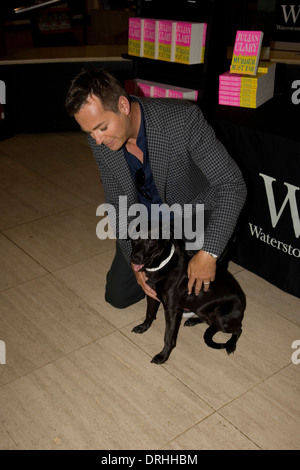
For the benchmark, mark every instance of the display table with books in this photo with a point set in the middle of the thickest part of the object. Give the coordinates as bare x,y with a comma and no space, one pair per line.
265,142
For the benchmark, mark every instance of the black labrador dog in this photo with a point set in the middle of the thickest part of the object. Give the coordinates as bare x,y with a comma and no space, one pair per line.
221,307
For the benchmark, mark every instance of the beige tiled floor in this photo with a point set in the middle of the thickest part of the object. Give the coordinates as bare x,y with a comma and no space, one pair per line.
76,377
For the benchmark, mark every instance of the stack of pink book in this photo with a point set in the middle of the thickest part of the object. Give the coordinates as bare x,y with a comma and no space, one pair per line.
141,87
247,91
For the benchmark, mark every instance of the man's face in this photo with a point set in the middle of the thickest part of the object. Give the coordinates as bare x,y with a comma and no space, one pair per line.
105,127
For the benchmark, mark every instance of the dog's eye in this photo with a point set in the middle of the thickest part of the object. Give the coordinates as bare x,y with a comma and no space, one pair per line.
151,242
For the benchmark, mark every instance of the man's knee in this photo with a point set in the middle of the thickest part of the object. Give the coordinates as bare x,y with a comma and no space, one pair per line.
114,301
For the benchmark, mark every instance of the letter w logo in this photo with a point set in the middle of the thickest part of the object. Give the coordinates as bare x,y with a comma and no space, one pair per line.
291,12
290,197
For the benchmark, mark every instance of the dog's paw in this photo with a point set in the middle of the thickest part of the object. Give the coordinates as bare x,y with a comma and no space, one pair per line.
140,328
159,359
230,348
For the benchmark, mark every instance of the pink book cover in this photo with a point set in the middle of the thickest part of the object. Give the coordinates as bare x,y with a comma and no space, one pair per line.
149,38
190,42
175,94
236,88
134,36
227,76
185,93
144,89
246,52
159,92
228,102
165,28
239,101
238,77
238,91
229,93
235,99
183,42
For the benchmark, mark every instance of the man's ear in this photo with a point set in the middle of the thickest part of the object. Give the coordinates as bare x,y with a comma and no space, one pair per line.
124,105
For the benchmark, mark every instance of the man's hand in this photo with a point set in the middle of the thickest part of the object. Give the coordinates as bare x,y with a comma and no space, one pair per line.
201,271
141,279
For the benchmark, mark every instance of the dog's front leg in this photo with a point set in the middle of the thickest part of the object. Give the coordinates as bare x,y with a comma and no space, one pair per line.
173,319
152,307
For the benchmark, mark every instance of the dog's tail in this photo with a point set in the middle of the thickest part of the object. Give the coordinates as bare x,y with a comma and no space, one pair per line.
230,345
208,338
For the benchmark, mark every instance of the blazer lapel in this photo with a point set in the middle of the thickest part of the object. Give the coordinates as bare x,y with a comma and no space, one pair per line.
118,165
159,149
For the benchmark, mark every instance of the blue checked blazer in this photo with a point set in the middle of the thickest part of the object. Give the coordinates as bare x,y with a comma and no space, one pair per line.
189,166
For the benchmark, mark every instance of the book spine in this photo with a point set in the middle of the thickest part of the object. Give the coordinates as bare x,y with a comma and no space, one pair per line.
243,82
135,36
239,98
241,93
164,40
182,93
266,67
228,76
159,92
245,86
149,38
144,89
175,94
240,104
203,43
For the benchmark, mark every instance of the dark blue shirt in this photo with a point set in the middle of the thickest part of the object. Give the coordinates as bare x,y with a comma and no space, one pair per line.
135,164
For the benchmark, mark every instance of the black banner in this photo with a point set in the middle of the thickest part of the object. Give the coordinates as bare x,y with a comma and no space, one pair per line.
269,229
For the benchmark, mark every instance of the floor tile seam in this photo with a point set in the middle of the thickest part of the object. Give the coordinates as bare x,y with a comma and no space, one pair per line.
17,447
84,259
241,395
20,284
25,252
219,409
71,193
268,308
240,431
189,428
21,247
165,366
48,272
15,156
37,219
74,293
63,356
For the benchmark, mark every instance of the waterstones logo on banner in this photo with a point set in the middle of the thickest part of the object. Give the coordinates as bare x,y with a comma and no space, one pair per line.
287,22
276,214
290,13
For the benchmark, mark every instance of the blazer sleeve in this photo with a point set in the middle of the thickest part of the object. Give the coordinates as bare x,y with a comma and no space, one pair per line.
227,187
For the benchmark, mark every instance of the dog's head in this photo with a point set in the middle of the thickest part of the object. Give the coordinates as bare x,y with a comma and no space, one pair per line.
150,248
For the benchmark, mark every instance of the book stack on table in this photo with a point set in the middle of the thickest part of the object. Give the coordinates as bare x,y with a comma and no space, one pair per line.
247,91
250,82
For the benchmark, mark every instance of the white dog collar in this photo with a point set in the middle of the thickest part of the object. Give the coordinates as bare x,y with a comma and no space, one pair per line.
164,262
